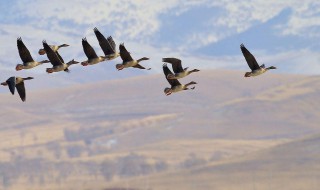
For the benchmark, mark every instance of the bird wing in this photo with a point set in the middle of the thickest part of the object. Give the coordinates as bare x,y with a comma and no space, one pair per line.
166,71
11,84
104,43
124,54
24,52
88,50
112,43
52,56
21,91
59,56
252,63
176,64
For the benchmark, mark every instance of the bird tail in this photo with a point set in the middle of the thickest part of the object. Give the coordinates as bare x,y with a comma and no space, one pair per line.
272,67
194,70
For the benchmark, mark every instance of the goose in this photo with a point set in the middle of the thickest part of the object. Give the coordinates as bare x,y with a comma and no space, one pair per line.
91,54
108,45
179,72
127,60
53,47
176,86
253,64
26,57
56,60
17,82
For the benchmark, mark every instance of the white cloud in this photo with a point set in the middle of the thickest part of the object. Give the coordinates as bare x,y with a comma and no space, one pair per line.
241,15
131,19
136,22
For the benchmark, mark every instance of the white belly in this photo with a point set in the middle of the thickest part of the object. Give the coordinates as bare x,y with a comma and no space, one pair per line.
181,75
177,88
30,65
54,48
130,64
112,56
258,72
60,68
95,61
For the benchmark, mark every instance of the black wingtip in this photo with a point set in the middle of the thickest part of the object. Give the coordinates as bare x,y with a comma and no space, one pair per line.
241,45
19,39
95,29
84,39
44,41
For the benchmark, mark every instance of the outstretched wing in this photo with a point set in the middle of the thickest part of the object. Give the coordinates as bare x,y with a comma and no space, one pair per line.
166,71
124,54
88,50
21,91
176,64
24,52
52,56
11,84
112,43
104,43
252,63
59,56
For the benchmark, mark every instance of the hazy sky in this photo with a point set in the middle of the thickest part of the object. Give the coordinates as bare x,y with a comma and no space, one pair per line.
204,33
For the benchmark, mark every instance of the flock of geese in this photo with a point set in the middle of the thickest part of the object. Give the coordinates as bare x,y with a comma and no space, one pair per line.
108,46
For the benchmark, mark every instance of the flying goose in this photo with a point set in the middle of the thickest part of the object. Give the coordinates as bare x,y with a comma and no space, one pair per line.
108,45
127,60
26,57
53,47
253,64
179,72
176,86
56,60
17,82
91,54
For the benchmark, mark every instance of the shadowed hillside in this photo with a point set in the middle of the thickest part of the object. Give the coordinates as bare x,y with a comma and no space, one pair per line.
294,165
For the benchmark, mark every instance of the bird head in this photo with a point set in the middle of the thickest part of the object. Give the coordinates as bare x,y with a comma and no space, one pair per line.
85,63
248,74
49,70
19,67
168,91
42,52
120,67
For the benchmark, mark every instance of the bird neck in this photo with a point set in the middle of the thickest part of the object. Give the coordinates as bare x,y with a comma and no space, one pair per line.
28,78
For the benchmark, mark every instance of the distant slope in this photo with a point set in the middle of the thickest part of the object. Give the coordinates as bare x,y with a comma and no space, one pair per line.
223,105
77,132
294,165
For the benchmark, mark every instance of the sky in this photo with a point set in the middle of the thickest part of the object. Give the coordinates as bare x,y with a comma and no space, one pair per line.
204,34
